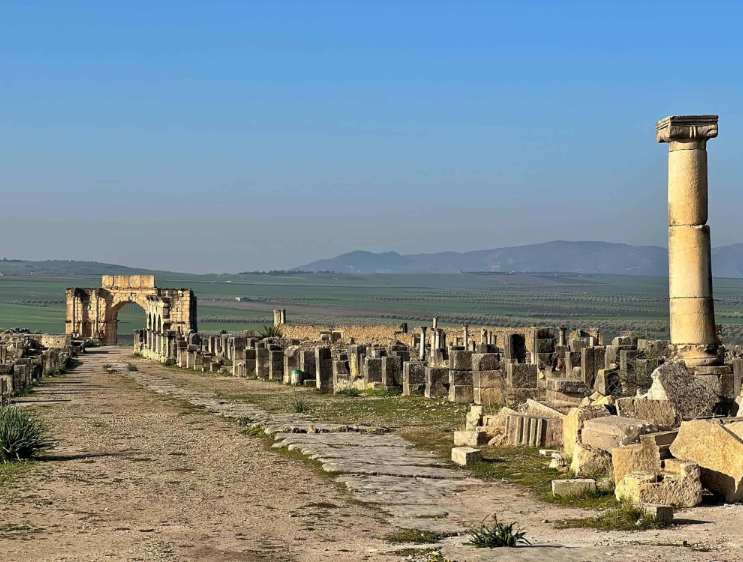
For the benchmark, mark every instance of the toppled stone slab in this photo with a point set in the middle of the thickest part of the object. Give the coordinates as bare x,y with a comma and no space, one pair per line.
691,398
613,431
718,450
573,487
465,456
537,409
532,431
470,438
572,425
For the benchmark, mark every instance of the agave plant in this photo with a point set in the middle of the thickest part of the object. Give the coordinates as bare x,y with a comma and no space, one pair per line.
497,535
22,435
270,332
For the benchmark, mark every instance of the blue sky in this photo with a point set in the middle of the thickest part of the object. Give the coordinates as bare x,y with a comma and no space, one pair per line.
227,136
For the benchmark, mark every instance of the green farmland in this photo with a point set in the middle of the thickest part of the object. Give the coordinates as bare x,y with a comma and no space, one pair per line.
611,302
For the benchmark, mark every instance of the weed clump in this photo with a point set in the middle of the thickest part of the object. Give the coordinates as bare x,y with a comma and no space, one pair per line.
352,392
22,435
412,535
131,367
270,332
625,517
496,536
300,405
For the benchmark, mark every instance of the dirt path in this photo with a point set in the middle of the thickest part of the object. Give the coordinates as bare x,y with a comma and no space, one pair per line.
139,477
145,470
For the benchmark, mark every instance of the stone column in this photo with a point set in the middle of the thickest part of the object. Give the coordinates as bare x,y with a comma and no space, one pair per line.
562,339
435,322
283,316
422,350
692,314
466,330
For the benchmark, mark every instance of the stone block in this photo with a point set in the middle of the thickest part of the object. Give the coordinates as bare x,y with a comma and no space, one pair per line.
521,375
276,365
488,379
718,450
573,487
588,461
658,412
461,377
466,456
679,487
607,382
721,384
324,370
470,438
568,386
646,456
690,397
737,376
392,371
659,513
437,382
545,346
413,378
489,396
485,362
460,360
627,361
531,431
372,370
546,360
461,393
563,398
473,419
539,410
613,431
572,426
544,333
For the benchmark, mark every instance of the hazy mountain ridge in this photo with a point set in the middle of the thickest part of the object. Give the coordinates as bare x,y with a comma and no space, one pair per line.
558,256
67,267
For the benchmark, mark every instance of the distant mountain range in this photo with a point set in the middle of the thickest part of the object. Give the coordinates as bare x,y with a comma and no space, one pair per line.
558,256
66,267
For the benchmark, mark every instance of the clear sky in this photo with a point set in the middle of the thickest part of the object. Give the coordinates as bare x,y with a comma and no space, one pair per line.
230,136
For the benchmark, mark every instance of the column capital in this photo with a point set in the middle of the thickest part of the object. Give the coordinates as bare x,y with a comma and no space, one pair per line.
692,129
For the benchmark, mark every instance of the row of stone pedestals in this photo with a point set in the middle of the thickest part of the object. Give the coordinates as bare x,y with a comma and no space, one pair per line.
29,365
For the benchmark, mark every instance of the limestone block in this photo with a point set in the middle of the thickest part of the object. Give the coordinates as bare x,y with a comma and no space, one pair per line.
607,382
461,393
563,398
489,396
485,362
533,431
572,425
546,360
461,377
392,371
646,456
681,488
437,382
276,365
659,513
460,360
568,386
721,384
465,456
470,438
473,419
546,345
488,379
613,431
537,409
324,370
521,375
718,450
573,487
588,461
658,412
372,370
413,378
690,397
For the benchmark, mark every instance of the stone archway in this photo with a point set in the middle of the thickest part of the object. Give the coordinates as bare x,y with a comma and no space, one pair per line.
93,312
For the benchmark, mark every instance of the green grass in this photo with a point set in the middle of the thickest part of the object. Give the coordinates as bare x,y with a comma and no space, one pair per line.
415,536
624,517
130,367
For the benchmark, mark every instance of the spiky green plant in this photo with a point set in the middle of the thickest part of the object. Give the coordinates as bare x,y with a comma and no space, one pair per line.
270,332
22,435
299,405
496,536
131,367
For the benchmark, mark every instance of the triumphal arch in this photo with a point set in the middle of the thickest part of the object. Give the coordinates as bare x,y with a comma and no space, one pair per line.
92,313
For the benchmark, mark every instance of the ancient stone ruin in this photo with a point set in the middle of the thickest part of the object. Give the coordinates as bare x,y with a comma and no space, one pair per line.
92,313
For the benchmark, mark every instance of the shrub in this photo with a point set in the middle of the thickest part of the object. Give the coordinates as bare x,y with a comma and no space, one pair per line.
499,535
22,435
349,392
299,405
107,366
131,367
